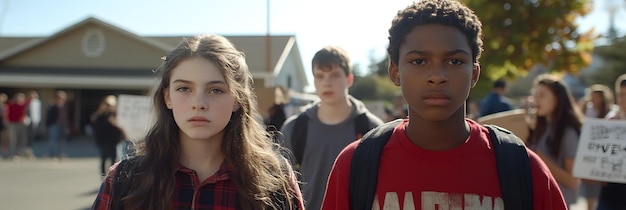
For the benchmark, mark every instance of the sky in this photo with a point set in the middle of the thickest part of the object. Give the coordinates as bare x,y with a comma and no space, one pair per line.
360,27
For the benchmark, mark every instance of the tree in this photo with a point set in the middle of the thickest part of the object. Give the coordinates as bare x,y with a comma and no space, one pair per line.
521,34
613,61
374,87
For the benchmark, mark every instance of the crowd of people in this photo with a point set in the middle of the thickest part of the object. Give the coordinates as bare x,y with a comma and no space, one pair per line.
21,125
433,155
209,147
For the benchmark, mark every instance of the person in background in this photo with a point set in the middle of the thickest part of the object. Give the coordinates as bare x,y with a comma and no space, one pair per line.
612,194
598,103
17,125
57,124
208,148
496,101
555,132
330,123
4,141
34,114
277,112
106,132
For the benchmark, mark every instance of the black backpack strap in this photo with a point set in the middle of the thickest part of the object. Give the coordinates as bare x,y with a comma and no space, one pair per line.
364,165
121,182
513,169
361,125
298,137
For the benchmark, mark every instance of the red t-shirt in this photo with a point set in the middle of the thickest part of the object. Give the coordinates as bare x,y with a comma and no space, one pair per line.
16,112
464,177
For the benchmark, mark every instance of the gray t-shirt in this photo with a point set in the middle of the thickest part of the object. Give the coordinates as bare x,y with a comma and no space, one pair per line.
323,143
569,144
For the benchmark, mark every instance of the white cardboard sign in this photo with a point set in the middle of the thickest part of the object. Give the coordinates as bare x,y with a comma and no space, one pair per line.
601,153
134,115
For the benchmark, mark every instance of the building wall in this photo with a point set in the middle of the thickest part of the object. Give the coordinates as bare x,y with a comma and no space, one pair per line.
66,51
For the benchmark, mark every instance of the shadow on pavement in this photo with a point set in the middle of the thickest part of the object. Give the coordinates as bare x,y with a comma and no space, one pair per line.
77,147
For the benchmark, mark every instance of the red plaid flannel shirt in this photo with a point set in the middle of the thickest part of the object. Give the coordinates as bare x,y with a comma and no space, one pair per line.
216,192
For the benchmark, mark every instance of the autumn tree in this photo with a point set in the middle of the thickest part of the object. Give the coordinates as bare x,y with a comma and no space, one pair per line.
520,34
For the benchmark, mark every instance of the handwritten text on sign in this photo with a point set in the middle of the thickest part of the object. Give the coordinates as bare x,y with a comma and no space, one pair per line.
601,153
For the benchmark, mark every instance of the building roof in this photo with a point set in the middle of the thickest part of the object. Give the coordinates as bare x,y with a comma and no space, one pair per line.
254,47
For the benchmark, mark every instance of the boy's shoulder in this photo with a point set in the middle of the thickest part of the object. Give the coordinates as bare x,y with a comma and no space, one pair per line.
373,119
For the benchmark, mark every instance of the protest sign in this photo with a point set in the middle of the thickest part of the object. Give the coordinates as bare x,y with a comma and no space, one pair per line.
134,115
512,120
601,153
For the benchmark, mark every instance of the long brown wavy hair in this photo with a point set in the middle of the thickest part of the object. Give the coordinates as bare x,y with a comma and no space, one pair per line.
261,172
566,114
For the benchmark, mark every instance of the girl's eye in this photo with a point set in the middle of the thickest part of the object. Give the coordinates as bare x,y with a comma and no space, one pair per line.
216,91
182,89
418,62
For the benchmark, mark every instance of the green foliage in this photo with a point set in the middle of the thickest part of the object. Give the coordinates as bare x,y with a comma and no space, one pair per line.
381,67
521,34
613,63
374,87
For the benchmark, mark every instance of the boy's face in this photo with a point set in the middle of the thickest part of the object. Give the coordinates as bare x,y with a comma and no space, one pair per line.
331,84
435,71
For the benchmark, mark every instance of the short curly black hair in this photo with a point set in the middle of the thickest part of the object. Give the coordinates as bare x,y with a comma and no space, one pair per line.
444,12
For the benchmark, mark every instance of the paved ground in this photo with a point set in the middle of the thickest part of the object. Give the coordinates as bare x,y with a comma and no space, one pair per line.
68,184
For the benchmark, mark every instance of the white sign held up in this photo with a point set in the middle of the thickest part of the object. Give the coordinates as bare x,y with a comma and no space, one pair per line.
601,153
134,115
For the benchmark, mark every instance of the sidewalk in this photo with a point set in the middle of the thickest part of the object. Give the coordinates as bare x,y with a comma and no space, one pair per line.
69,183
77,147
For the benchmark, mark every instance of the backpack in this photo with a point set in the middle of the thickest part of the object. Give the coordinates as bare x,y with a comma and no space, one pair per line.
301,126
512,162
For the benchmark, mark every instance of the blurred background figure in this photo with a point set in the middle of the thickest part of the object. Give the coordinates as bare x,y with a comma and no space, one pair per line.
472,109
106,132
495,101
4,141
399,109
597,103
34,115
277,112
17,125
57,123
612,194
557,125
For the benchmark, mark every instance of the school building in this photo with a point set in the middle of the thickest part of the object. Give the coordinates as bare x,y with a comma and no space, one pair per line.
92,58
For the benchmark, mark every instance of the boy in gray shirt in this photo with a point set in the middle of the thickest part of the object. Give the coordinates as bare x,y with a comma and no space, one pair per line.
329,124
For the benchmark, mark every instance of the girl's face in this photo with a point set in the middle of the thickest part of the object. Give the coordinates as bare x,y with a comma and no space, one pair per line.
545,101
200,99
597,99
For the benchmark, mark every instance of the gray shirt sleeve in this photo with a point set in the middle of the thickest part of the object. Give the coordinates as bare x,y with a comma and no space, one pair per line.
569,143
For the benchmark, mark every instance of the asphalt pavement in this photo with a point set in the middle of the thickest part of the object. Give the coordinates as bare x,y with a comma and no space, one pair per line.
69,183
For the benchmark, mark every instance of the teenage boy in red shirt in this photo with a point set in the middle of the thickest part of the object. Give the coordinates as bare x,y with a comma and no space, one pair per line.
437,159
